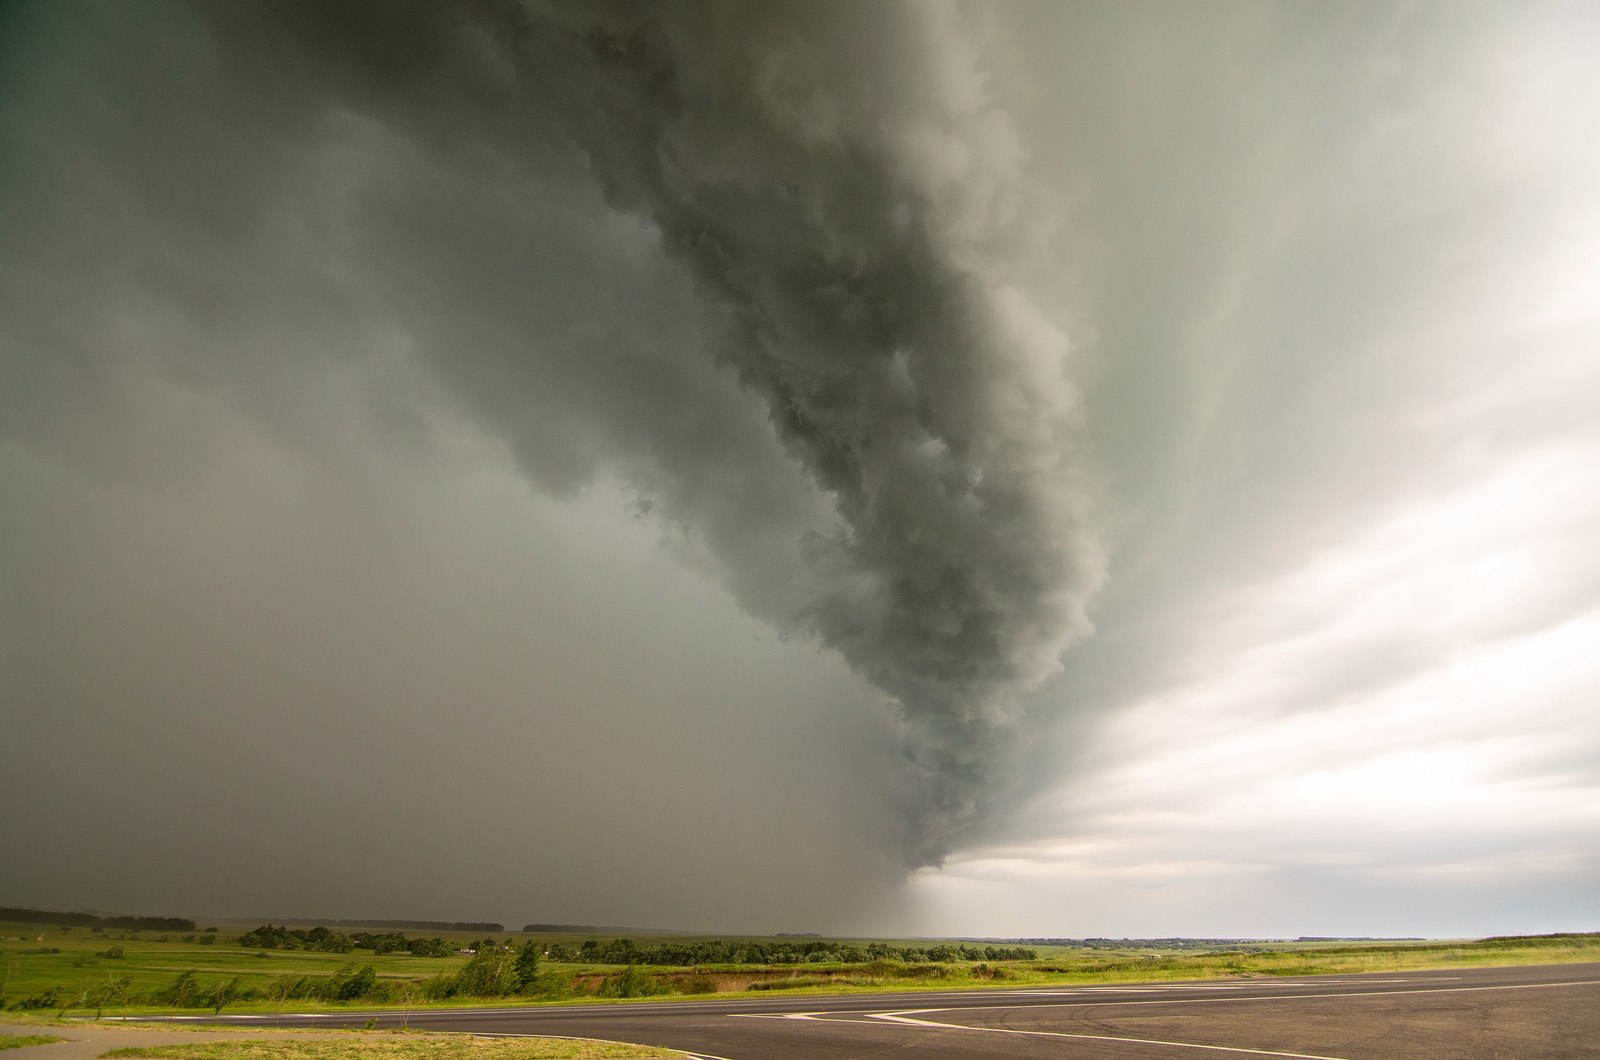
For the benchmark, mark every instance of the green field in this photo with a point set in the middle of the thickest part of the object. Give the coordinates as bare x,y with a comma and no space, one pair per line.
22,1041
261,1044
404,1047
48,969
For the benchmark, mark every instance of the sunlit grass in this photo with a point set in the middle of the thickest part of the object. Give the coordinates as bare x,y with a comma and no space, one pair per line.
399,1047
18,1041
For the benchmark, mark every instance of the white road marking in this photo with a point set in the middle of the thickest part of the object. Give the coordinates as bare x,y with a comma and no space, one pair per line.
1276,997
907,1016
906,1019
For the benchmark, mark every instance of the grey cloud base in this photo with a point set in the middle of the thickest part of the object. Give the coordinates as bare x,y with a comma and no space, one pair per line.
733,258
927,523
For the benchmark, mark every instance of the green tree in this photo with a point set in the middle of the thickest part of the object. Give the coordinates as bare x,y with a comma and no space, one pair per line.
223,993
113,992
633,982
490,973
526,970
181,992
357,984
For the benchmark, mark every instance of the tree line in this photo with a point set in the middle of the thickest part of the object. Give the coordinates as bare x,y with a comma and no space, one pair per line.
717,951
403,925
128,923
624,951
274,937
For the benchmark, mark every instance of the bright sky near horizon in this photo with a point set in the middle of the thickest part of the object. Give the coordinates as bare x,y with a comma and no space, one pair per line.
1028,469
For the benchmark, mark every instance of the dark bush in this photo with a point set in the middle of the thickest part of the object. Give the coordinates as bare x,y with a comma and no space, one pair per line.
357,985
51,998
633,982
182,992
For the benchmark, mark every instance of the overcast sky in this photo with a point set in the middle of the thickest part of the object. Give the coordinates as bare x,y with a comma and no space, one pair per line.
1031,469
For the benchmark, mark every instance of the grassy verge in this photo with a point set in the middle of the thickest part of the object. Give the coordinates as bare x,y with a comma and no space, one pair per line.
401,1047
18,1041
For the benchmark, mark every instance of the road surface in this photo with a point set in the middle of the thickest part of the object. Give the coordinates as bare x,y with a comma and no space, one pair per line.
1541,1012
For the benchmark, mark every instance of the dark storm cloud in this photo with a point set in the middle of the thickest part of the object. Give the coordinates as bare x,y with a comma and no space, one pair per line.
746,260
919,392
299,299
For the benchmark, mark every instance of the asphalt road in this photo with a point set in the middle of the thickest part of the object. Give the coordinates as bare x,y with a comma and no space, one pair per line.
1528,1013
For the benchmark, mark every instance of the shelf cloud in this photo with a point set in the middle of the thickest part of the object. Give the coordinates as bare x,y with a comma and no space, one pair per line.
836,193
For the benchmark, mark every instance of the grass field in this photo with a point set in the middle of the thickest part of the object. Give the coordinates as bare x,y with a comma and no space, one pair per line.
18,1041
377,1045
49,969
408,1047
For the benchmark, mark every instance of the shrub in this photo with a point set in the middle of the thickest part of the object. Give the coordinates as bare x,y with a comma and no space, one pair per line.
434,947
441,987
51,998
182,992
525,971
111,992
632,982
223,993
927,971
490,973
355,985
553,984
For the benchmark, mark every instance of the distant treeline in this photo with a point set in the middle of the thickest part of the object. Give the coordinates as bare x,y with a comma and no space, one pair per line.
402,925
716,951
564,929
1360,938
271,937
1201,944
1149,944
126,923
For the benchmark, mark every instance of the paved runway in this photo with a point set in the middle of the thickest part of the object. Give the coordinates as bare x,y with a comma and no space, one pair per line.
1539,1012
